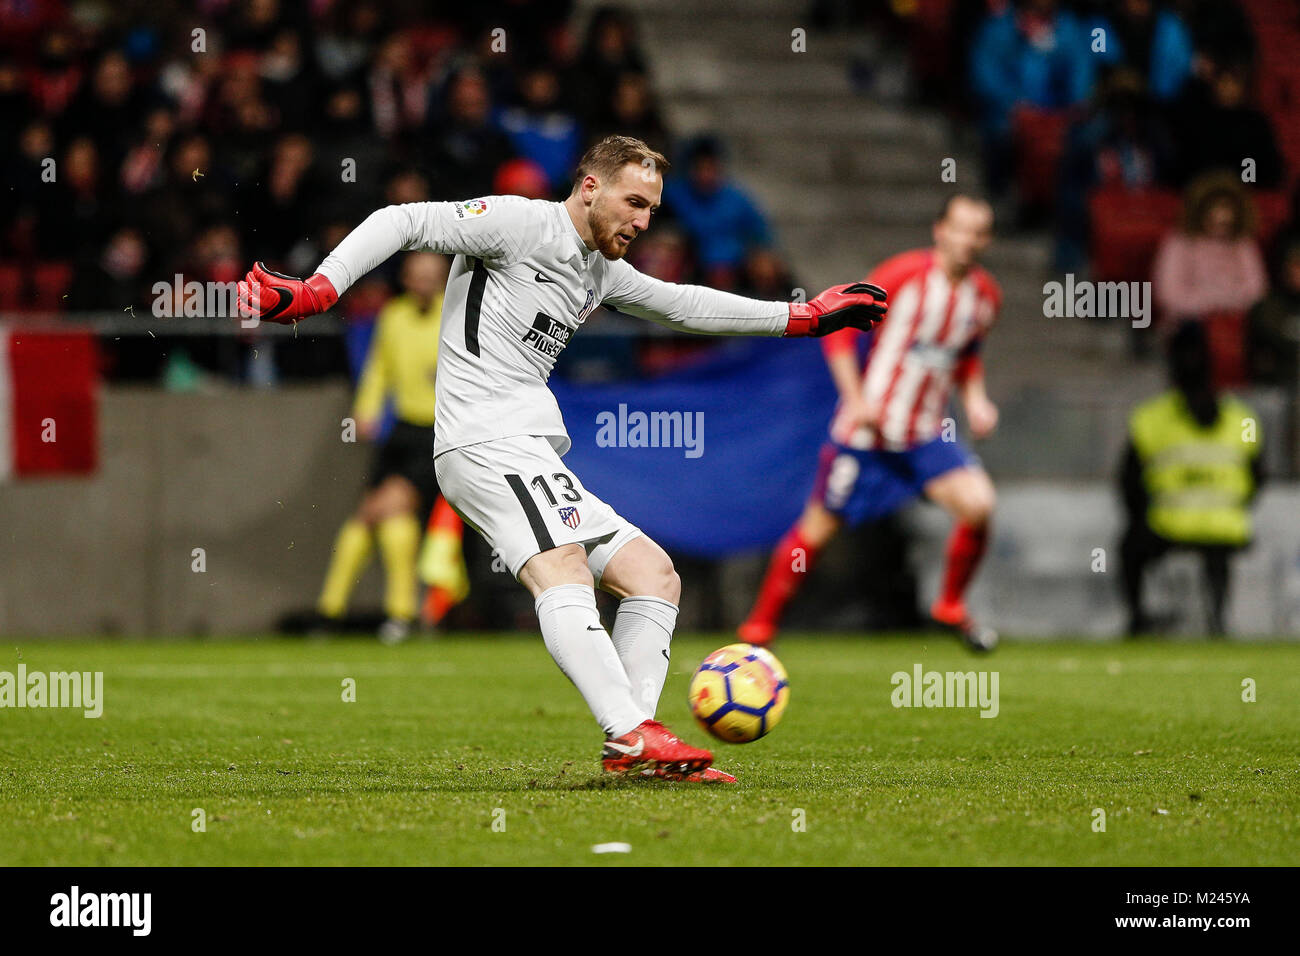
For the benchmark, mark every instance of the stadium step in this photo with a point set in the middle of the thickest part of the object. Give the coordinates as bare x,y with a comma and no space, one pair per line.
849,179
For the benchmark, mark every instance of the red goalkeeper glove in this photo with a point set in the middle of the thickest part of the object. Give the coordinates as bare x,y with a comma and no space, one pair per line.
271,297
858,305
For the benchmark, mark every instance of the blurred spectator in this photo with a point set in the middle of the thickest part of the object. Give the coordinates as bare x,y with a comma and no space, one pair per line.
1220,30
345,114
78,212
1273,327
1212,263
188,82
56,76
119,277
13,99
766,277
22,216
254,25
1148,37
631,111
353,32
142,169
350,157
217,256
721,220
107,109
290,80
464,148
189,197
1189,475
540,128
232,98
398,86
407,185
1221,133
610,49
1122,141
284,209
22,23
1031,53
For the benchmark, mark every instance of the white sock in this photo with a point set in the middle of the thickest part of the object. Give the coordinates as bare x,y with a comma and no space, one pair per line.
574,636
643,630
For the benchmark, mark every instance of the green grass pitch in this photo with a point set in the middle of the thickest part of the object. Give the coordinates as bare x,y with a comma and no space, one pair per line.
447,738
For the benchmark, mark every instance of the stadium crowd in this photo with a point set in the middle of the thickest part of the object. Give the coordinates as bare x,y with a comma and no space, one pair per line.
194,141
1160,141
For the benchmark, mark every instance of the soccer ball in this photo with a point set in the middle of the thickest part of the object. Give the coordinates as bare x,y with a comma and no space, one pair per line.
739,693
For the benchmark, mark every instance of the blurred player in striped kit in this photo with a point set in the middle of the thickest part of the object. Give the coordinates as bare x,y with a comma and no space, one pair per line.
888,441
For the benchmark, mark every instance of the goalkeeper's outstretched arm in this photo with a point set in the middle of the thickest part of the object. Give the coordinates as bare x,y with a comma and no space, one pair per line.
446,227
694,308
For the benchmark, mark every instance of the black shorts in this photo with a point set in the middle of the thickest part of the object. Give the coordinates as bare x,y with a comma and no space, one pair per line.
408,451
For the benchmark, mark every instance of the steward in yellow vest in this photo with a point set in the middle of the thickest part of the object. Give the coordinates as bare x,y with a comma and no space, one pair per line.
1190,474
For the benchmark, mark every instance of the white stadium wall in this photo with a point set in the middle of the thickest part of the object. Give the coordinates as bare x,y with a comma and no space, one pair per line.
261,479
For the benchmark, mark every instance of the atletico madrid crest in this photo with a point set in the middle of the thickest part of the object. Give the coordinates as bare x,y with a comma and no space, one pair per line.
570,517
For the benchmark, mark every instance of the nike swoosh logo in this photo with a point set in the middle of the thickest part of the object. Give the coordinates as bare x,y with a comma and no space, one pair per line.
286,300
541,278
625,749
664,650
590,628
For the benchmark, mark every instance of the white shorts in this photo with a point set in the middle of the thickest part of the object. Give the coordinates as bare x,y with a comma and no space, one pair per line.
518,495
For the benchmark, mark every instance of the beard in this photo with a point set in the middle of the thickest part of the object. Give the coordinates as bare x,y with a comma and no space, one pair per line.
605,233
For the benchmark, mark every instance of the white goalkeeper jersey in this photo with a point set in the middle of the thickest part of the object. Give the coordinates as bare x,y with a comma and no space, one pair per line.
521,284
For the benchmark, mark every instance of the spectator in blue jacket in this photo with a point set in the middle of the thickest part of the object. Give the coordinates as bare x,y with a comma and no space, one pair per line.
1151,40
723,223
541,128
1032,54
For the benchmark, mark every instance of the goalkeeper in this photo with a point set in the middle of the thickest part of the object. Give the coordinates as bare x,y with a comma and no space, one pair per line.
526,276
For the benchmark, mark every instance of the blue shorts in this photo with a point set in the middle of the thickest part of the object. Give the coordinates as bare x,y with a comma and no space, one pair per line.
866,485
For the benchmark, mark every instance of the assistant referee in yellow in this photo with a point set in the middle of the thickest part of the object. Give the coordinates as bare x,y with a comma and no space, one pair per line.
402,488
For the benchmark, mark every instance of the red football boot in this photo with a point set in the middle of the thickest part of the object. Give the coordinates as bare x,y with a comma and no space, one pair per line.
652,745
756,632
952,616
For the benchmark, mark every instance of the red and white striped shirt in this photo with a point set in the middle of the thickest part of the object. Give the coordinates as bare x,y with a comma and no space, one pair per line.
929,340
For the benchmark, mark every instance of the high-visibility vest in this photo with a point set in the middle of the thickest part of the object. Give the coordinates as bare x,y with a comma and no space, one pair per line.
1199,480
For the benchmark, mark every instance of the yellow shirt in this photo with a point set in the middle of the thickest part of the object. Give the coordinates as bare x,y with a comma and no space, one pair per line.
403,361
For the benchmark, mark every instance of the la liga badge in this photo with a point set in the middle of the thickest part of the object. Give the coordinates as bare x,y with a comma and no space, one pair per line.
473,209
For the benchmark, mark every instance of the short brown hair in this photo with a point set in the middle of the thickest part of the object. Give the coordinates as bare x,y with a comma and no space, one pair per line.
612,153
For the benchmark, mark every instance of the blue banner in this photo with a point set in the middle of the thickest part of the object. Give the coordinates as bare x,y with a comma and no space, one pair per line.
712,459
